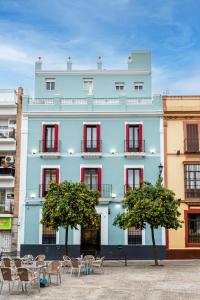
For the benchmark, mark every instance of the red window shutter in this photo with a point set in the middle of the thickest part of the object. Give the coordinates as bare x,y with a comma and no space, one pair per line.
43,183
126,180
56,138
44,138
141,176
99,179
57,175
98,138
140,138
84,138
127,137
82,174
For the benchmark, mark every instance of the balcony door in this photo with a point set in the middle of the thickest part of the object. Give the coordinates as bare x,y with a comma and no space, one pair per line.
134,142
50,138
91,179
91,138
48,176
192,138
134,178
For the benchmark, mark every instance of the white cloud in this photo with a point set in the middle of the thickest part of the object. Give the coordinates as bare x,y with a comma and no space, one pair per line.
12,54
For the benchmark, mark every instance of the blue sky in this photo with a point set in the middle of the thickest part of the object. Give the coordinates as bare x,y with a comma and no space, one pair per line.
55,29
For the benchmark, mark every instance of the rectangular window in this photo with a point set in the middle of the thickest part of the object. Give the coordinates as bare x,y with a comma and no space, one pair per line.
50,84
88,86
50,141
192,180
192,139
138,86
91,138
193,228
134,236
134,178
48,176
119,86
91,177
2,200
134,141
48,235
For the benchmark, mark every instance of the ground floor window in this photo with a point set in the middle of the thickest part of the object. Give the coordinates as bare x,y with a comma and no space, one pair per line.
134,236
193,228
48,235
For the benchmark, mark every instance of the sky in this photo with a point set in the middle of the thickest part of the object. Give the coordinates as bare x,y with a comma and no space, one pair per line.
85,29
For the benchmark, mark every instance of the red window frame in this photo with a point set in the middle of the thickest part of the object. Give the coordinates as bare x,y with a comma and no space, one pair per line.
140,126
43,178
99,172
44,137
141,170
98,128
186,213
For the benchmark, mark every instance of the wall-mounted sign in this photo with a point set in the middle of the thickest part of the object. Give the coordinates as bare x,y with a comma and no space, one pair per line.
10,196
5,223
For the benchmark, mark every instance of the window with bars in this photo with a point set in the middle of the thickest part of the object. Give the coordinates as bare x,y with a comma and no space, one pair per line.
134,236
192,180
193,228
48,235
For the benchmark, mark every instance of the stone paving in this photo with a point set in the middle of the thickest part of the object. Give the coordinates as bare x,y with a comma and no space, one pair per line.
175,280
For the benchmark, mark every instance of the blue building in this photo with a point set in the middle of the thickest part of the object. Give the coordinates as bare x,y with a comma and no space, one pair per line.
101,127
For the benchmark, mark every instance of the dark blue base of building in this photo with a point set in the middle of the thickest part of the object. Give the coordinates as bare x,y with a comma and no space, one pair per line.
110,252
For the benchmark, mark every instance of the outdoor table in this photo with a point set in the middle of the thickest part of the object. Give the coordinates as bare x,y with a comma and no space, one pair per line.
39,268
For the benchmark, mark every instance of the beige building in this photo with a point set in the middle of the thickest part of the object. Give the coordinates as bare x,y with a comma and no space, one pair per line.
10,132
182,171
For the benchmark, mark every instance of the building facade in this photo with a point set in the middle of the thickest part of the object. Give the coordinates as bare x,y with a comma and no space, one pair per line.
9,118
101,127
182,171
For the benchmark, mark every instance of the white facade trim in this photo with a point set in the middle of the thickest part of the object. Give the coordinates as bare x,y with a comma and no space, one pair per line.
163,236
134,123
50,123
103,211
91,123
92,72
94,114
23,177
78,154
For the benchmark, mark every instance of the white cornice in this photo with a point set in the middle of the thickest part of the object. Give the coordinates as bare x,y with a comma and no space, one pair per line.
93,72
158,113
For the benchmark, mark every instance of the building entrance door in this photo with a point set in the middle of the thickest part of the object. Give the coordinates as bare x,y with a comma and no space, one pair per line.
91,240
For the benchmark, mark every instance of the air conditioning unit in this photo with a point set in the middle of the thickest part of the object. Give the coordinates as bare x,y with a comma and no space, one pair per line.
9,159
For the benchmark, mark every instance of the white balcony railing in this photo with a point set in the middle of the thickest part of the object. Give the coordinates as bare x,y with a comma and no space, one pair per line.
92,101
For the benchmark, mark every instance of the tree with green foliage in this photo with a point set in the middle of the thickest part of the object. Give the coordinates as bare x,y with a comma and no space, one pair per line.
150,204
70,204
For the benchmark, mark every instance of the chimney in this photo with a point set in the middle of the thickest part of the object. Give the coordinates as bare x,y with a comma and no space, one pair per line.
99,63
69,64
38,64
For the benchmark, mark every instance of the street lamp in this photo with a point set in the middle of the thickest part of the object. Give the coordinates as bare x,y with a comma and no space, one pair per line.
160,167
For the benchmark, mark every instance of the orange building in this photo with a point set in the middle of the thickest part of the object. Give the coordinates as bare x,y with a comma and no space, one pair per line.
182,171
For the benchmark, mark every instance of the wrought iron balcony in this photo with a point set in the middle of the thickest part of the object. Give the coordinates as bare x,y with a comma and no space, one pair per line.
191,146
104,189
49,146
7,171
7,132
193,193
91,146
134,146
131,187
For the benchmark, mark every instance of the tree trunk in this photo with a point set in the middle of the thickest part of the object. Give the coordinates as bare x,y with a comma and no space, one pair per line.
66,240
154,246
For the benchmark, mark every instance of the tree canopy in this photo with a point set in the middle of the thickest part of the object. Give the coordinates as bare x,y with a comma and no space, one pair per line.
152,204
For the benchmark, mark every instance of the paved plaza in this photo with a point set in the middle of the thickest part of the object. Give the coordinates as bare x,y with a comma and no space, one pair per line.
175,280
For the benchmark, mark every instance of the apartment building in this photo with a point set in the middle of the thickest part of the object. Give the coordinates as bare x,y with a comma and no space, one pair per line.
182,171
101,127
